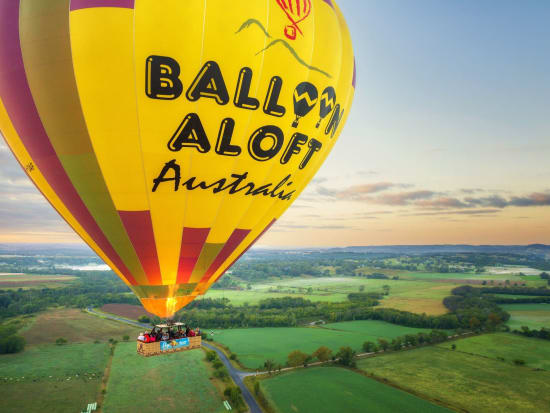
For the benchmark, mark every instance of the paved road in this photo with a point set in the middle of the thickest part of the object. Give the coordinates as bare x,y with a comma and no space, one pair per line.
236,375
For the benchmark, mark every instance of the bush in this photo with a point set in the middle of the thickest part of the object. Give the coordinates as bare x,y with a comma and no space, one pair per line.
221,373
60,341
11,344
233,393
144,319
296,358
217,364
322,354
233,356
125,338
211,355
369,347
519,362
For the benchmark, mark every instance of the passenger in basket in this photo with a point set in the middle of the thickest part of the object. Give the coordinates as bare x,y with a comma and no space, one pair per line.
191,333
141,337
165,336
187,330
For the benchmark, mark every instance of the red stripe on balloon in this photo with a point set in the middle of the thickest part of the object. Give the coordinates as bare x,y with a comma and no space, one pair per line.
18,101
192,241
139,228
249,246
88,4
231,245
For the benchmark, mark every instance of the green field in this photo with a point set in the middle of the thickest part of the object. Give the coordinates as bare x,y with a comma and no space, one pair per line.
331,389
466,382
75,326
12,281
169,383
58,378
417,296
255,345
534,316
535,352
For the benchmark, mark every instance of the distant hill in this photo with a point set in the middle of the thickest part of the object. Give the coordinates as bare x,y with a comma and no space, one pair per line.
537,249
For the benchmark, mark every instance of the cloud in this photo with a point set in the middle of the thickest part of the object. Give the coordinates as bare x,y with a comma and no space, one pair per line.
402,198
442,203
472,212
535,199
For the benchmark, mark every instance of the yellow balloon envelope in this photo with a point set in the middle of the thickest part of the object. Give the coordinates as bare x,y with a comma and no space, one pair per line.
172,134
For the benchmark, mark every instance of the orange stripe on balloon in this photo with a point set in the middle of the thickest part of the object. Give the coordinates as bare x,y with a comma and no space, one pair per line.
19,104
139,228
192,241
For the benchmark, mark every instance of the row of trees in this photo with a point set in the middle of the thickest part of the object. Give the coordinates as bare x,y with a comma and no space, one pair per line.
543,333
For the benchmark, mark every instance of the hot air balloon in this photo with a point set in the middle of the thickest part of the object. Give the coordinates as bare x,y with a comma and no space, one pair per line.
162,131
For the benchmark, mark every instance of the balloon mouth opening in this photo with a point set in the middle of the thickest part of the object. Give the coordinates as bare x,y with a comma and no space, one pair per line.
166,307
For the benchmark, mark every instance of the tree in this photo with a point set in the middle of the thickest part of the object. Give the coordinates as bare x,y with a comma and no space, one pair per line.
269,365
11,344
545,276
323,353
233,393
361,288
346,356
369,347
453,346
60,341
296,358
125,338
386,289
383,344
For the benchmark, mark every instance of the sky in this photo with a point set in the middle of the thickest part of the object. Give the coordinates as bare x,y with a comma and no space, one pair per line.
447,142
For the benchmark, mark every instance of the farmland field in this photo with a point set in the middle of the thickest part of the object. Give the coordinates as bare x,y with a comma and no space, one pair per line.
409,295
330,389
467,382
169,383
130,311
534,316
75,326
255,345
535,352
59,378
16,280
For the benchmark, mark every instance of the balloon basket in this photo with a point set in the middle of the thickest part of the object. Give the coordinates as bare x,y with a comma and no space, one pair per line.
166,347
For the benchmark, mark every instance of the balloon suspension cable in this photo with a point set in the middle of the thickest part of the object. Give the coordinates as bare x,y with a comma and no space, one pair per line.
295,123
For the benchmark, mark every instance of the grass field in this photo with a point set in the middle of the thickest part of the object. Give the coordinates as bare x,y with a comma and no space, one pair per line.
52,378
534,316
75,326
331,389
255,345
472,383
535,352
169,383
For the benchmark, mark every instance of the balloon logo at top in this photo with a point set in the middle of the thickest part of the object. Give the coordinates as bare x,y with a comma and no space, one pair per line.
296,11
170,151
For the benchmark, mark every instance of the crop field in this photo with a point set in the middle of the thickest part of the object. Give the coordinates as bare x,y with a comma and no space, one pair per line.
75,326
52,378
255,345
169,383
534,316
331,389
13,281
466,382
507,346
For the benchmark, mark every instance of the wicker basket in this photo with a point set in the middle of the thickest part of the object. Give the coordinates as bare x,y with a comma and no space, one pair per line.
155,348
